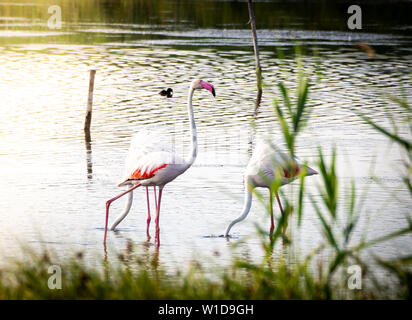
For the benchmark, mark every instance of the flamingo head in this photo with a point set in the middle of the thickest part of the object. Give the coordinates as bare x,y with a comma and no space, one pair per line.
200,84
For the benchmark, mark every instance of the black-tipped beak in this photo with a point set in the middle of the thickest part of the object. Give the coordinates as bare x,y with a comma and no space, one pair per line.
213,92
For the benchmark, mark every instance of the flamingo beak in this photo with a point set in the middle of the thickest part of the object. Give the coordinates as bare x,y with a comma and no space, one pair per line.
310,171
208,86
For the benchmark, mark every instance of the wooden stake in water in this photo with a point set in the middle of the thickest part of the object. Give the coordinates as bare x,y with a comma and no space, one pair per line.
87,123
256,49
88,119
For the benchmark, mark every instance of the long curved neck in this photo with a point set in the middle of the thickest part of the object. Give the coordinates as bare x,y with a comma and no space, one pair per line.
193,132
246,207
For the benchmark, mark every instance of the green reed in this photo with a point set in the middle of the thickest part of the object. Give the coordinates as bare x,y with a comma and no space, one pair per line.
401,266
338,218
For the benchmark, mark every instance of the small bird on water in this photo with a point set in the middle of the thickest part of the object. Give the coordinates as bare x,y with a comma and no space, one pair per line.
167,93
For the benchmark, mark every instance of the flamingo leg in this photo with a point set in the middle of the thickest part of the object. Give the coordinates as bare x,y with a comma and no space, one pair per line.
148,214
283,216
272,223
154,188
158,216
155,200
108,205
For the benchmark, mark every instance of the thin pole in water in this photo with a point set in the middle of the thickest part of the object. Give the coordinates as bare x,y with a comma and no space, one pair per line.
256,49
87,122
88,119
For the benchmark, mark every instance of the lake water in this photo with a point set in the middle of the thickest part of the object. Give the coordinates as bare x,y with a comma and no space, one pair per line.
53,189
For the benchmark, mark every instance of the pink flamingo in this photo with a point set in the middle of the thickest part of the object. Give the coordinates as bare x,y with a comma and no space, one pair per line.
153,163
265,166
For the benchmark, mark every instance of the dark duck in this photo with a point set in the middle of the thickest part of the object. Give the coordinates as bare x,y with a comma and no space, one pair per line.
167,93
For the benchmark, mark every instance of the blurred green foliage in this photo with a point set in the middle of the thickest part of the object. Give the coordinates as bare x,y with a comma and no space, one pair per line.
303,14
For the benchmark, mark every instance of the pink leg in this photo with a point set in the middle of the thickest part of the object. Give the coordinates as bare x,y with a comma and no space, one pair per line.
157,217
154,188
272,222
281,210
108,205
148,214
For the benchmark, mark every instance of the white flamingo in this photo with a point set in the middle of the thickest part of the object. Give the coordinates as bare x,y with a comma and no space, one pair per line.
153,163
265,166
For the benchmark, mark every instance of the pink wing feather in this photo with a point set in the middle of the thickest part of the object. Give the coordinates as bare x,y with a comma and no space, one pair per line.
148,153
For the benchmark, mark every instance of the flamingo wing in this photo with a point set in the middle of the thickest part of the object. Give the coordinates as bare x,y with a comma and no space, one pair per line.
148,154
267,158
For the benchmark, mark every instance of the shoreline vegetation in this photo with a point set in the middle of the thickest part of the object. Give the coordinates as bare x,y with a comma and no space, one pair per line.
325,15
271,278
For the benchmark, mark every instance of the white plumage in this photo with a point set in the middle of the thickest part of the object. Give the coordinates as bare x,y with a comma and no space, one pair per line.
266,165
153,162
265,161
148,151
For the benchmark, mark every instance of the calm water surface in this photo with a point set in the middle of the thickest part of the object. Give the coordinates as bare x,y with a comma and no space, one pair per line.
53,190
